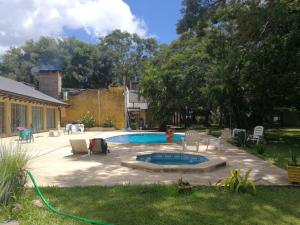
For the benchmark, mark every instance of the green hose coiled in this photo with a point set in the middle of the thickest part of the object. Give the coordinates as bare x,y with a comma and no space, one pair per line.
51,208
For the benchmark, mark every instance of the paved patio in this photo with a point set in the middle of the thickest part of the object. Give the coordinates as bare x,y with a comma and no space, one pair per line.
53,164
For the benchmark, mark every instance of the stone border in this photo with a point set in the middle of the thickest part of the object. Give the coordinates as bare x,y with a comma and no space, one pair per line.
211,164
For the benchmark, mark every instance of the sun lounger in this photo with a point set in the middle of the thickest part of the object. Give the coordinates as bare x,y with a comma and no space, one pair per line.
79,146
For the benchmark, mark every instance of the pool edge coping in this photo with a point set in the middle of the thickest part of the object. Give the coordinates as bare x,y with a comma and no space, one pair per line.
211,164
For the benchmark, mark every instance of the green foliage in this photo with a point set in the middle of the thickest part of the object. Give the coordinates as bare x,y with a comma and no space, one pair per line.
235,182
108,123
294,160
279,141
260,149
13,161
88,120
84,65
232,57
174,79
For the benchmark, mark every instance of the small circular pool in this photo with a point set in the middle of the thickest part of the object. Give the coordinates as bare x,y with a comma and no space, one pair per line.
172,158
144,138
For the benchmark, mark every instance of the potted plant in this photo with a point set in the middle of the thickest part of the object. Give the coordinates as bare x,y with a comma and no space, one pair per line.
293,169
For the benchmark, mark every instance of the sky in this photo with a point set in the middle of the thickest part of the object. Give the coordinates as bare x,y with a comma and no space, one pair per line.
22,20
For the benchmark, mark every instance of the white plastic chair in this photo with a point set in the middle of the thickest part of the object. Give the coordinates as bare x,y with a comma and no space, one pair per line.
225,136
192,138
257,135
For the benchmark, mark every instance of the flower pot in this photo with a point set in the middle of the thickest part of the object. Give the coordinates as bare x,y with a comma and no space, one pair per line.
293,174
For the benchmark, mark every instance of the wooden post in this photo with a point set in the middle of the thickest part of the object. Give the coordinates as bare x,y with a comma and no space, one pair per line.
29,115
45,118
7,118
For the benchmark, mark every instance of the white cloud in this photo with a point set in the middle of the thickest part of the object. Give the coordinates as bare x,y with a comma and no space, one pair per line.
21,20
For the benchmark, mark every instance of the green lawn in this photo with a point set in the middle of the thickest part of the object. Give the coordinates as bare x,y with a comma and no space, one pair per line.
279,144
162,205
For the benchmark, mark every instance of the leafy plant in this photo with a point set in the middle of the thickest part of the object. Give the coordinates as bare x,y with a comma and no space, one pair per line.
294,160
108,123
13,161
236,182
260,149
184,187
88,120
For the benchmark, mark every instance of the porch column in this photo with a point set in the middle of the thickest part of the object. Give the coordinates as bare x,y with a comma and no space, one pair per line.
45,118
7,118
29,116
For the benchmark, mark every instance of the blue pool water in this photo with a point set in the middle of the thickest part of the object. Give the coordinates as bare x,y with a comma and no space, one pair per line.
172,158
144,138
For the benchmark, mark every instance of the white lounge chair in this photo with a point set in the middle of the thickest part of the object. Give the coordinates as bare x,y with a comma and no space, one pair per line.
257,135
79,146
72,128
225,136
192,138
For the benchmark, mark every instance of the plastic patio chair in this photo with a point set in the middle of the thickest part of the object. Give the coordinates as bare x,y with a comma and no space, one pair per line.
257,135
26,135
192,138
225,136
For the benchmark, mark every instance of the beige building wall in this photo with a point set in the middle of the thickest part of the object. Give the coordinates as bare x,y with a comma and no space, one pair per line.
102,104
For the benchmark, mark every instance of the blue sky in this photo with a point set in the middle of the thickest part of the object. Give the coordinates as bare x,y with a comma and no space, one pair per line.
86,20
160,16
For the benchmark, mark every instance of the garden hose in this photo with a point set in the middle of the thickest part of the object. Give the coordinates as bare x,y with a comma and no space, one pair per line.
51,208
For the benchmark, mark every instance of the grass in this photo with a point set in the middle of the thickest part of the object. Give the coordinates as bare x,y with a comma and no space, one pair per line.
162,205
278,147
13,160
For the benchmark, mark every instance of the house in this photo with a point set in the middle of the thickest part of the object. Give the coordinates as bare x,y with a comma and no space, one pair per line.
22,105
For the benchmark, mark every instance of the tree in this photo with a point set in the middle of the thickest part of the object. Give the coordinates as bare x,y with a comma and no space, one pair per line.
174,79
127,53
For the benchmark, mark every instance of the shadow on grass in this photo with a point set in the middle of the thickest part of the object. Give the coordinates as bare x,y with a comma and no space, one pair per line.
162,205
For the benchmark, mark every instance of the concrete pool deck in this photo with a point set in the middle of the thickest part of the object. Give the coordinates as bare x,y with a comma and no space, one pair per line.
53,164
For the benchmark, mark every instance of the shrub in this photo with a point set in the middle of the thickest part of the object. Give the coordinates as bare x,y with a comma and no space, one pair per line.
108,123
13,160
235,182
88,120
260,149
294,160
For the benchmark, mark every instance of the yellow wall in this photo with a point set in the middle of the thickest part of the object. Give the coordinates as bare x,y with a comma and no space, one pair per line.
8,100
103,104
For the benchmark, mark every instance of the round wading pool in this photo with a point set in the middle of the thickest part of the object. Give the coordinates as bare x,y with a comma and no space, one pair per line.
172,158
144,138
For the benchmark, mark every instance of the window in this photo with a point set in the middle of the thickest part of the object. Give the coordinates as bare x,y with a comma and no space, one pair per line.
50,118
1,118
37,118
18,116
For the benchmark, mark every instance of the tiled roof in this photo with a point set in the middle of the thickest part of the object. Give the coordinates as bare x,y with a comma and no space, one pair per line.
15,88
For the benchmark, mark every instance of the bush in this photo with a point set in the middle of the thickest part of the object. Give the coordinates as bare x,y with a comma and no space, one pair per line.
13,161
88,120
108,123
260,149
235,182
294,160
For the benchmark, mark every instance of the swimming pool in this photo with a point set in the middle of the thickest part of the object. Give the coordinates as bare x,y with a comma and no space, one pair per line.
172,158
144,138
